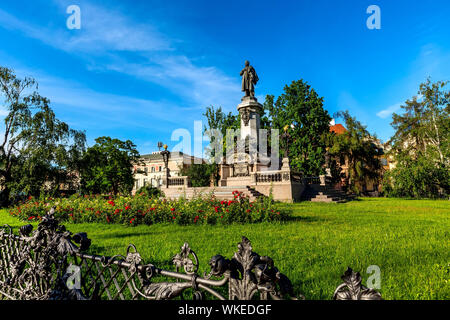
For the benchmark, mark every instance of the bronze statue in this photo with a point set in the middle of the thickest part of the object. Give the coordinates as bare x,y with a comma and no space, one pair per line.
249,80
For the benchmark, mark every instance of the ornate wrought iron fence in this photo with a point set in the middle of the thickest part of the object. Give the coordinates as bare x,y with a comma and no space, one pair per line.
50,263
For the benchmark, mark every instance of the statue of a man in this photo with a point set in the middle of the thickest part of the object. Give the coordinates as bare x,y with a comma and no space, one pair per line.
249,80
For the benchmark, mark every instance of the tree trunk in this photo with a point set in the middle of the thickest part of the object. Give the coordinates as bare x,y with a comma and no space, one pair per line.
4,197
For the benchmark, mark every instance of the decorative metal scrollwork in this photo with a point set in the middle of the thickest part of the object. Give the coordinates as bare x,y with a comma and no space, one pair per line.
352,289
34,266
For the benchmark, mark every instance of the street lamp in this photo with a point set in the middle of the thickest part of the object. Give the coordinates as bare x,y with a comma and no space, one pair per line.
286,136
166,154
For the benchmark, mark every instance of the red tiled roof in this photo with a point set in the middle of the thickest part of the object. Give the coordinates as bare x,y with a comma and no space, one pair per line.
338,129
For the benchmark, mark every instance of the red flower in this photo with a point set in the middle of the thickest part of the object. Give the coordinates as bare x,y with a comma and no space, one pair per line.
131,221
111,203
127,208
216,208
230,202
248,210
173,209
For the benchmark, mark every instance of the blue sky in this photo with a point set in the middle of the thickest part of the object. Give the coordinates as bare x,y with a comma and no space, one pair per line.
139,70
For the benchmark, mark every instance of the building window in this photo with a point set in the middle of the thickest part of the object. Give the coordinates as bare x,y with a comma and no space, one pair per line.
146,170
160,168
137,184
153,169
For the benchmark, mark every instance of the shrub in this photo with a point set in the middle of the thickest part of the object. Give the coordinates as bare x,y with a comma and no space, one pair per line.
150,191
141,209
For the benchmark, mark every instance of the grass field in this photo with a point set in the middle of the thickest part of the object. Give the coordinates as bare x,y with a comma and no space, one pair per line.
407,239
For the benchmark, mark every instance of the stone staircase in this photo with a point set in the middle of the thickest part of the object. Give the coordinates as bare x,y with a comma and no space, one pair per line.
318,193
221,193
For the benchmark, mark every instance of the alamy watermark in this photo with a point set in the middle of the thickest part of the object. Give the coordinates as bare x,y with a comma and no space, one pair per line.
249,147
74,20
374,280
374,20
74,279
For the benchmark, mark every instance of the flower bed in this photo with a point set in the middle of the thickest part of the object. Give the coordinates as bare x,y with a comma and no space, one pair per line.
141,209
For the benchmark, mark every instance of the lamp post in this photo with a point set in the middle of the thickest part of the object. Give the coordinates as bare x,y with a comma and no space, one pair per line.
166,154
286,136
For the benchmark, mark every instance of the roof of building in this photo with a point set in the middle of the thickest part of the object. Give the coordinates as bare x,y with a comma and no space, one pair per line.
173,155
338,129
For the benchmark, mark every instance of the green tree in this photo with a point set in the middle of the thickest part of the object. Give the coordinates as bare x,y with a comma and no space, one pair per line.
421,137
199,174
38,152
217,122
301,108
359,147
107,166
416,178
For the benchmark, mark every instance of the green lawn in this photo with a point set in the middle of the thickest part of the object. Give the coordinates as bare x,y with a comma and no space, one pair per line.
407,239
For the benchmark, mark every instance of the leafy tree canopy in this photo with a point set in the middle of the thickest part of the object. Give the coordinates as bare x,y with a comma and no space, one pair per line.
420,147
360,149
199,174
38,152
301,109
107,166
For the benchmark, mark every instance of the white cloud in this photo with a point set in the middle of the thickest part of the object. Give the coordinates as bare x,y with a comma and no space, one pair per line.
383,114
199,86
105,34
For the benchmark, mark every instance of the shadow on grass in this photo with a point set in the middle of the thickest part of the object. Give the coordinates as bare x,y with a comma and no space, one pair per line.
305,219
125,235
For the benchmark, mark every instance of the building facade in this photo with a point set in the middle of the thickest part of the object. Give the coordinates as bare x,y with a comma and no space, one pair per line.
151,169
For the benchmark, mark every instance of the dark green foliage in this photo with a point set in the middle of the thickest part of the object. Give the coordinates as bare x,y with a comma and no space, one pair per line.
418,178
200,174
107,167
358,147
39,152
300,107
150,191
